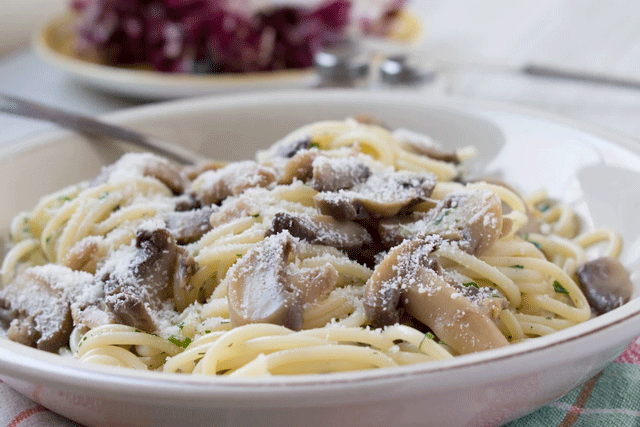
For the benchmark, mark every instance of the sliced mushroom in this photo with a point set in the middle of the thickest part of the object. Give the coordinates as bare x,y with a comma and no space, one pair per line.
167,173
136,281
425,146
83,256
194,171
312,284
265,289
393,231
299,167
144,164
189,226
606,284
383,195
36,303
322,229
342,173
258,289
407,275
473,219
288,149
366,119
232,180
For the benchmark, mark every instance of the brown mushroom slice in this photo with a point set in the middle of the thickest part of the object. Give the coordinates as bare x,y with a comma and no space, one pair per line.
167,173
473,219
322,229
37,301
383,195
189,226
299,167
451,316
144,164
212,187
312,284
259,291
606,284
425,146
192,172
264,288
408,276
289,149
393,231
83,256
135,283
384,288
366,119
341,173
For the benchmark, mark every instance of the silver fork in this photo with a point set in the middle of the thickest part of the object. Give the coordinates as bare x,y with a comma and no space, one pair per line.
95,128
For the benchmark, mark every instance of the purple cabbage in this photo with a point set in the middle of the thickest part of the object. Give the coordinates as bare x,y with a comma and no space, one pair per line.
207,36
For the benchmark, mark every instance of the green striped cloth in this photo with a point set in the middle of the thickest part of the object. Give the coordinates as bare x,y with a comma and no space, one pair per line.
610,399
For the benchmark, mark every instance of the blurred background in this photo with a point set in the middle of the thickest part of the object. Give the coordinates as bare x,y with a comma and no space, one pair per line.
479,46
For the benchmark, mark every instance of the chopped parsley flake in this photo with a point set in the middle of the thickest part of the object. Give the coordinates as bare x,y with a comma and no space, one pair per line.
314,145
559,288
441,217
518,266
536,244
472,284
239,255
181,325
180,343
545,207
103,195
255,215
428,335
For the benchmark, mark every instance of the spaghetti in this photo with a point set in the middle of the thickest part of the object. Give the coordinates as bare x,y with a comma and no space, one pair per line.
346,246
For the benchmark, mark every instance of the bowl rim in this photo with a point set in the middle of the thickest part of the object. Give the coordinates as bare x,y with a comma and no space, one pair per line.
67,370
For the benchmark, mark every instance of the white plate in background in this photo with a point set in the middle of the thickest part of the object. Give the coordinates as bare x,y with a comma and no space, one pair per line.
54,43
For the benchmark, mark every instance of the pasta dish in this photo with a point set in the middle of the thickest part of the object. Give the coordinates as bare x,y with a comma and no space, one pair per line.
344,246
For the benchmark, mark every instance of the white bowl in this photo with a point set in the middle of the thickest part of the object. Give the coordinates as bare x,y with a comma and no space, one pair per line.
598,173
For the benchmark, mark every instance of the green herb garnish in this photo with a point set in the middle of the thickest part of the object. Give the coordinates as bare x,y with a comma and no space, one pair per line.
545,207
559,288
314,145
180,343
428,335
536,244
255,215
441,217
518,266
472,284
